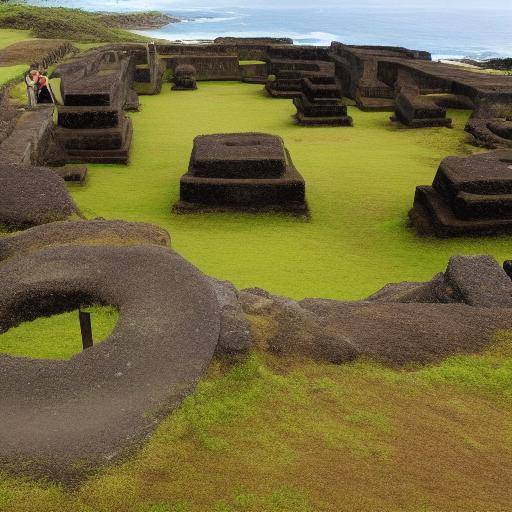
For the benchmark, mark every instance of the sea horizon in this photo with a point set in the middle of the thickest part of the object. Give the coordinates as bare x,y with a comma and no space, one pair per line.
449,33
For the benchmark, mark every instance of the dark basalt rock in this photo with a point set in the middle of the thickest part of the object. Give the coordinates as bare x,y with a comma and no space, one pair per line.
90,232
102,402
248,171
184,78
458,311
235,337
287,76
320,104
404,333
73,175
282,326
490,133
471,195
96,89
30,196
477,281
417,111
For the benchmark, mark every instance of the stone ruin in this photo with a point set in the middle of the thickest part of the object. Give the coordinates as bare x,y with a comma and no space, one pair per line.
469,196
46,269
289,65
162,349
321,104
417,111
241,171
211,61
91,123
357,69
492,133
184,78
407,82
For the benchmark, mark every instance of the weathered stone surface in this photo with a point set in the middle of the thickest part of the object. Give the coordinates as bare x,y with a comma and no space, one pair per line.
417,111
435,291
469,196
235,337
320,104
91,232
479,281
400,334
93,407
284,327
30,196
241,171
184,78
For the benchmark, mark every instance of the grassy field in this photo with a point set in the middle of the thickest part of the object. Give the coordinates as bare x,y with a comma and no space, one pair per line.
56,337
10,73
10,36
360,186
294,436
288,435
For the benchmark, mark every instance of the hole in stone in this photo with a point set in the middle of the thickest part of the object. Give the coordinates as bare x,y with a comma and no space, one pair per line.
57,336
242,143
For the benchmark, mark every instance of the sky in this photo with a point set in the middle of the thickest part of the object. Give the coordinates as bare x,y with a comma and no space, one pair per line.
211,4
484,4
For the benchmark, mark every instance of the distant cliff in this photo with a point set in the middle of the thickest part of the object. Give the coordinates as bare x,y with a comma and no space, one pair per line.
137,20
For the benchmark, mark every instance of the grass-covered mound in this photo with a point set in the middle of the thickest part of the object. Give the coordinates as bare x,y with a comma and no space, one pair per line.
9,74
360,185
62,23
297,436
10,36
56,337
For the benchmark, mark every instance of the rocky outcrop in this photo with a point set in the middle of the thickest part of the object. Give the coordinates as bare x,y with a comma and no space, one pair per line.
92,232
97,405
137,20
30,196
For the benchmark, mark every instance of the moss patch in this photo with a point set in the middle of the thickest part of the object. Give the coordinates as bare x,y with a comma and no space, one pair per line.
56,337
250,62
296,436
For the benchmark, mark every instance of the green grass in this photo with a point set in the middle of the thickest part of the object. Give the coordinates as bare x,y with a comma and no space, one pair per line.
10,74
56,337
316,437
360,186
288,435
61,23
250,62
11,36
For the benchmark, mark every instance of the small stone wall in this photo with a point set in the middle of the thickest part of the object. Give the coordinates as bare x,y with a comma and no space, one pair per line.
208,67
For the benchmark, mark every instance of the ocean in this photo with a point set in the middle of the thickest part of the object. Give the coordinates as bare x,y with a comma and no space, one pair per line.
446,33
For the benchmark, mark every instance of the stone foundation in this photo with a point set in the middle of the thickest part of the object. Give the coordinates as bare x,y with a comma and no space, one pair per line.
248,172
469,196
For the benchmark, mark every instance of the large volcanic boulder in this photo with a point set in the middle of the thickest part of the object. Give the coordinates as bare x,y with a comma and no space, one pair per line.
30,196
184,78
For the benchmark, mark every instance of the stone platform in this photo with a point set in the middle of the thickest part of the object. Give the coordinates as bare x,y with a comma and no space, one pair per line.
321,104
417,111
244,171
469,196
